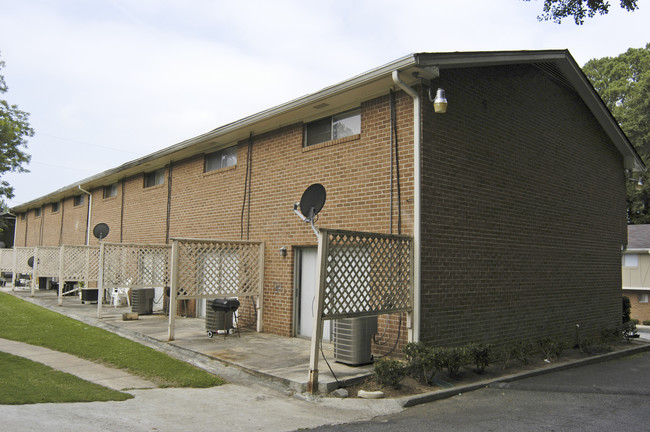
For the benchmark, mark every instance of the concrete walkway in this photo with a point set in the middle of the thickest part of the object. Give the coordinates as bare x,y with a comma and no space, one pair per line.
252,406
115,379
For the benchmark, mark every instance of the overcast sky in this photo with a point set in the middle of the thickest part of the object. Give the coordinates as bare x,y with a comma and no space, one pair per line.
108,81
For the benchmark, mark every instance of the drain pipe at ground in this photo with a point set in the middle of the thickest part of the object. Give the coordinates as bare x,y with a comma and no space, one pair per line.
414,328
90,208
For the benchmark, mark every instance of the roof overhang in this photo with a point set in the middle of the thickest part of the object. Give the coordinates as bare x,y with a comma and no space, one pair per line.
349,94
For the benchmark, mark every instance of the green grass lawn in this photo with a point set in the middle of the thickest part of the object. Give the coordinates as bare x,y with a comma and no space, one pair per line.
27,382
26,322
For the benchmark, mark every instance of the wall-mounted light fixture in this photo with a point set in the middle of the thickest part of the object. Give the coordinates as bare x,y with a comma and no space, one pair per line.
439,102
283,251
638,183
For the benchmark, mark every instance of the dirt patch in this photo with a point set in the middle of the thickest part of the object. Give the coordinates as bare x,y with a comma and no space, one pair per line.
409,386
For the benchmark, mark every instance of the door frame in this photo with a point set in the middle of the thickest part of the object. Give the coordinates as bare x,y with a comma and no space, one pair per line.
297,283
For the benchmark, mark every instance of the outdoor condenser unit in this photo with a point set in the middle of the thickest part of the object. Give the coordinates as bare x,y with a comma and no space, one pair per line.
142,301
353,340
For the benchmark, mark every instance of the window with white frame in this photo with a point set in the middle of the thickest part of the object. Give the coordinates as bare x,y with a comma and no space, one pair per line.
154,178
630,260
643,297
110,191
221,159
331,128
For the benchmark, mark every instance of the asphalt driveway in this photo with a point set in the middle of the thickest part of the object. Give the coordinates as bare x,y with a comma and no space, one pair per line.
609,396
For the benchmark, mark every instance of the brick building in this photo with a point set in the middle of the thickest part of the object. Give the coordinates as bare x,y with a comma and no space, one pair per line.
636,271
515,196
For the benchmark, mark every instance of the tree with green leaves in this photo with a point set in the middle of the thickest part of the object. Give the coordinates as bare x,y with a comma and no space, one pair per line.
14,130
623,83
557,10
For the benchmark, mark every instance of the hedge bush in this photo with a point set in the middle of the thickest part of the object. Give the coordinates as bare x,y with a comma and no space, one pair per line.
389,372
423,361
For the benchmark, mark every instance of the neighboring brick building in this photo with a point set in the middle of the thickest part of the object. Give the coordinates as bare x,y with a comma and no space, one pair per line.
515,196
636,271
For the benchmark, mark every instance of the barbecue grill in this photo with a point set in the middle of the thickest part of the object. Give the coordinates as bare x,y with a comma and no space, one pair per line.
225,307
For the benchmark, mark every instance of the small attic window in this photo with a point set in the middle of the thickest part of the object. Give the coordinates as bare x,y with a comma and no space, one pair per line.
338,126
154,178
221,159
110,191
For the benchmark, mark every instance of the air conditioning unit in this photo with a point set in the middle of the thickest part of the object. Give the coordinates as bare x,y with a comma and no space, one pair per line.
353,340
142,301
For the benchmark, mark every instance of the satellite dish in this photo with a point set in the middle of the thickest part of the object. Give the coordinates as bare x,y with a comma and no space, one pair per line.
30,261
100,231
312,201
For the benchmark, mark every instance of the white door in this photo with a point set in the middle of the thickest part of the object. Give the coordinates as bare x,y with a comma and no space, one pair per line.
307,293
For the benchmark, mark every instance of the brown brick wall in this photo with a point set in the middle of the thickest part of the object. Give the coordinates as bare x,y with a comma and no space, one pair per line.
523,212
75,222
145,211
108,211
355,172
52,220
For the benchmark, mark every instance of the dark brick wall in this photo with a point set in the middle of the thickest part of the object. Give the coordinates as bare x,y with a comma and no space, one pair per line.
523,211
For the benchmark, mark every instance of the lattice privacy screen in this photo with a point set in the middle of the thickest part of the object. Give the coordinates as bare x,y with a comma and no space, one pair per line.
49,260
209,269
136,266
365,274
80,263
23,254
7,260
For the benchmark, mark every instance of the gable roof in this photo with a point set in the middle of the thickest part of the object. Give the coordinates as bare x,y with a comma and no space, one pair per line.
638,236
336,98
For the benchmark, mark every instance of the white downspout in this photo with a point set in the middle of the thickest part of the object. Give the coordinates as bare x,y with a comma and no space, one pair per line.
90,210
414,333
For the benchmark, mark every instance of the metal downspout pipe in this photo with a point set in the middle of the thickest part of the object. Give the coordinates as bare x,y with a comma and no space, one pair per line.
414,331
90,209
